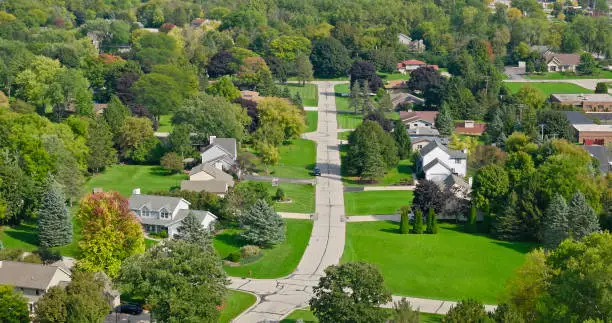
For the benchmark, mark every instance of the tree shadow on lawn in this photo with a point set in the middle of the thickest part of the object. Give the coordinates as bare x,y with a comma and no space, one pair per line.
160,171
519,246
394,231
25,233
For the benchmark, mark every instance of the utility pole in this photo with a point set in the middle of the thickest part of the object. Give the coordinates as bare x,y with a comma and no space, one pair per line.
542,131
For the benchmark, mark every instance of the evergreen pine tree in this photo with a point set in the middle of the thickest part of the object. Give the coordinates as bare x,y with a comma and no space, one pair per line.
582,218
264,227
366,101
404,221
54,224
373,164
100,144
297,99
402,140
115,114
355,97
286,93
429,225
472,220
418,222
192,231
555,225
507,226
385,103
444,120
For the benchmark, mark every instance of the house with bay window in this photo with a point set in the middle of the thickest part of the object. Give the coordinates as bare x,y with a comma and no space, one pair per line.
165,213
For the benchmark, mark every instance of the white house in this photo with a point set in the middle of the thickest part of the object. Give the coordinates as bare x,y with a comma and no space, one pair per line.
221,153
439,162
33,280
561,62
165,213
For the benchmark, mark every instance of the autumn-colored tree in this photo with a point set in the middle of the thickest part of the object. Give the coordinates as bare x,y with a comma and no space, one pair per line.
111,232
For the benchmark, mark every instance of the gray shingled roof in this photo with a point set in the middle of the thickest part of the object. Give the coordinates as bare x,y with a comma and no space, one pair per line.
423,131
227,144
457,154
576,117
213,171
456,180
602,154
154,202
27,275
433,163
212,186
180,215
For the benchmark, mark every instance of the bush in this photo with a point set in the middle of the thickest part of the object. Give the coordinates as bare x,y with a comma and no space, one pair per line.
418,222
172,162
250,251
601,88
11,254
404,223
472,220
234,256
32,258
280,194
48,256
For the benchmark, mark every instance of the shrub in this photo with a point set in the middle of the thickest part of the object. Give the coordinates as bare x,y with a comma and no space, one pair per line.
472,220
234,256
430,216
48,256
404,223
11,254
32,258
250,251
1,245
280,194
418,222
601,87
163,234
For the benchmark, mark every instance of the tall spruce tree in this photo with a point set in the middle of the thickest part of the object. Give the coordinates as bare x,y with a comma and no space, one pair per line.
556,226
100,144
444,121
402,140
355,97
115,114
582,218
192,231
404,221
264,227
430,220
507,226
54,224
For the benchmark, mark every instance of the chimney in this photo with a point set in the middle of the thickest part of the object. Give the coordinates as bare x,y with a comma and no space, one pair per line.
211,139
136,191
469,123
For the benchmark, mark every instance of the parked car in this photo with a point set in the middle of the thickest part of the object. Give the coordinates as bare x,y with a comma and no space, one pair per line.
133,309
316,171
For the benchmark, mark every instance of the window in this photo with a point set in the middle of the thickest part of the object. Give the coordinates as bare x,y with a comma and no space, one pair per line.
145,211
164,214
457,161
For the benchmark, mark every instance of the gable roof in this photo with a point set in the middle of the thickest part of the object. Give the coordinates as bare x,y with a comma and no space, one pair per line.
212,171
154,202
212,186
413,62
228,145
456,154
575,117
562,59
476,129
27,275
435,162
456,180
602,154
409,116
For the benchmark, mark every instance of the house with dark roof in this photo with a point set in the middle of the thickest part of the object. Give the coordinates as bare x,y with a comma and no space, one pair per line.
437,162
418,142
165,213
32,280
561,62
221,153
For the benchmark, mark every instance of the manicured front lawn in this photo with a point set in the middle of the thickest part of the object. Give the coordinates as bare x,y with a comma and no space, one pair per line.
393,76
308,92
375,202
347,119
165,123
278,261
344,135
236,303
450,265
297,160
124,178
402,173
23,236
308,317
600,74
549,88
312,119
302,197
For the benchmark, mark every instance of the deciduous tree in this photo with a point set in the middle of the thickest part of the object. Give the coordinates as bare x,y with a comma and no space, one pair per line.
111,233
303,69
225,88
329,58
172,162
404,313
587,65
351,292
134,132
424,77
404,146
469,310
158,93
182,281
362,71
13,306
100,144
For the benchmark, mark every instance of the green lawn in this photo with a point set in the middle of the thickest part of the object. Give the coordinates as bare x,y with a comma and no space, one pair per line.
393,76
344,135
302,197
124,178
308,92
165,123
549,88
451,265
236,303
24,236
308,317
297,160
601,74
150,243
402,173
278,261
312,119
375,202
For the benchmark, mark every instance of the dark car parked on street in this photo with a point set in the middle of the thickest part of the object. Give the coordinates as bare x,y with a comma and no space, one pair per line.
316,171
133,309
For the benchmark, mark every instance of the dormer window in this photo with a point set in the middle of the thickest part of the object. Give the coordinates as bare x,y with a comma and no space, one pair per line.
164,214
145,211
